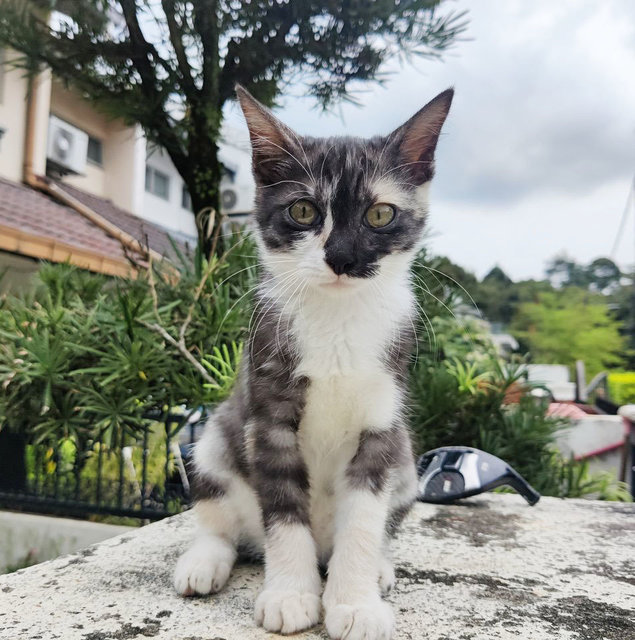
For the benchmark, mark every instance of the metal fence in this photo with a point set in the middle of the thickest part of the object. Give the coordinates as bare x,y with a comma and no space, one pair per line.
143,476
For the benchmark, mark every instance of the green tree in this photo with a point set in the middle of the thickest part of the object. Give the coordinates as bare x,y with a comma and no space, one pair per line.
564,272
564,326
622,301
171,65
497,275
603,275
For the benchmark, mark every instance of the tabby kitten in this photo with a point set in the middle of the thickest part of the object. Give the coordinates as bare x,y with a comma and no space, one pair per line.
310,458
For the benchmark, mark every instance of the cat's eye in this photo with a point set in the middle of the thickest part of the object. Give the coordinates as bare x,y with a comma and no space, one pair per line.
380,215
303,212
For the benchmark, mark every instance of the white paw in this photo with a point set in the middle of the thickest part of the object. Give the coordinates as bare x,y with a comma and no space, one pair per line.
369,621
204,568
287,611
386,576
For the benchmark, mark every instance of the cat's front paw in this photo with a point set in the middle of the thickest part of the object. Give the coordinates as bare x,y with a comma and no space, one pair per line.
204,568
372,620
287,611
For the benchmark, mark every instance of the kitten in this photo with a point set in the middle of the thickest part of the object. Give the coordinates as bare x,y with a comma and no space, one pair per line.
310,458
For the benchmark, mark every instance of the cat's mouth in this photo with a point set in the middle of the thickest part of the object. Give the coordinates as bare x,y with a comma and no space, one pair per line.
341,282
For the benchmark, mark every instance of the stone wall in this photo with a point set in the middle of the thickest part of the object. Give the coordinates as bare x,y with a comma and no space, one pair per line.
490,568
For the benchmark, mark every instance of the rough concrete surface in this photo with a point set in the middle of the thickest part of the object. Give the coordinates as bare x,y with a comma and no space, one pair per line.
490,568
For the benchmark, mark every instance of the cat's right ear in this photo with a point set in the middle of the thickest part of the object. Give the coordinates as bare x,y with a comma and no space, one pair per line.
273,144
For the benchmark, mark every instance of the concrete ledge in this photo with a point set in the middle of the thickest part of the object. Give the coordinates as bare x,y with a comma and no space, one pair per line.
45,537
491,568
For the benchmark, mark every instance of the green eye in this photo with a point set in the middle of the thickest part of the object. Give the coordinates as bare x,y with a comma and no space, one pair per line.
380,215
303,212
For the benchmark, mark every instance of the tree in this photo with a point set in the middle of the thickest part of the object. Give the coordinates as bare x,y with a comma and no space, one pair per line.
564,272
623,307
171,65
603,275
498,276
569,325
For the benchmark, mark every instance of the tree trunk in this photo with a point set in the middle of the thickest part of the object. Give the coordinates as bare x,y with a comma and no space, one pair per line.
205,173
205,194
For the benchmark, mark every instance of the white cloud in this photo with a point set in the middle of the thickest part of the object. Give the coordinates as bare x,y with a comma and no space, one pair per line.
539,149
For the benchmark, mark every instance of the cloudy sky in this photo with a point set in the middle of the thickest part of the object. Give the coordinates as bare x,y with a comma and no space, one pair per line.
539,149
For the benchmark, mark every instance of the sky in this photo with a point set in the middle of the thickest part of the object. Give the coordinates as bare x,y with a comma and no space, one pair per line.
538,153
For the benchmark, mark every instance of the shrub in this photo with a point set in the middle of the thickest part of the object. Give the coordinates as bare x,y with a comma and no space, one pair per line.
88,354
85,360
622,387
459,392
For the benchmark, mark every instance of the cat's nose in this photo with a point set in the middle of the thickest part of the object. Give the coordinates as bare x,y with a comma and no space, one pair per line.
340,263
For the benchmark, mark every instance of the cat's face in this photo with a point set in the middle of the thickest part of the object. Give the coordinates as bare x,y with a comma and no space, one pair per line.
333,214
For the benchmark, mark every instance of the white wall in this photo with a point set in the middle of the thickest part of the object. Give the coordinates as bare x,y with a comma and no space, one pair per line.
123,174
117,177
167,213
13,92
238,159
69,107
170,213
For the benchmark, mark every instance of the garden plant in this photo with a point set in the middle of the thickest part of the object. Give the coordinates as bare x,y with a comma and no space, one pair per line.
88,363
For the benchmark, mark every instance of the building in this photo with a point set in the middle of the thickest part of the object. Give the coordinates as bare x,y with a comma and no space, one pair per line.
78,186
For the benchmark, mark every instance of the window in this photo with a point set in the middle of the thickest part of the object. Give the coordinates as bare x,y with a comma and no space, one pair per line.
94,153
157,183
186,199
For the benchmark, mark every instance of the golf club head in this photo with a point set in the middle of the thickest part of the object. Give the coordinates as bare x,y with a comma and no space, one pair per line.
451,473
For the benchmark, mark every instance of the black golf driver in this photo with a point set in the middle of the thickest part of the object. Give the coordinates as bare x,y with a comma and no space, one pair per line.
451,473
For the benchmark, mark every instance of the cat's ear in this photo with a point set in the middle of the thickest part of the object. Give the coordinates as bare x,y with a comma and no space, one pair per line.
273,144
417,140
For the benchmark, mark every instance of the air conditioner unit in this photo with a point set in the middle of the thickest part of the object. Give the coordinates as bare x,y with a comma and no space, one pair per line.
228,198
67,146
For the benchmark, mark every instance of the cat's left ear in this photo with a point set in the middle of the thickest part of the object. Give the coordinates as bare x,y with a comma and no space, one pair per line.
417,140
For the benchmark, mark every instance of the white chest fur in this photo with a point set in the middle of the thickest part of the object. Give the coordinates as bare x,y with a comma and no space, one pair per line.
342,345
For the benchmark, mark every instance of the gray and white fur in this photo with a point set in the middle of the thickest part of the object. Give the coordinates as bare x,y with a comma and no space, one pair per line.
310,459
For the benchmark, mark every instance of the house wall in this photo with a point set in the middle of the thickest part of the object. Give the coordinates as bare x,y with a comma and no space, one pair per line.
168,213
17,272
67,106
42,91
171,215
116,178
123,176
13,93
237,158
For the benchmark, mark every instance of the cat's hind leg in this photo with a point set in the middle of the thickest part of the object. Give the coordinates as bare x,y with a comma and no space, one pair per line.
228,515
205,567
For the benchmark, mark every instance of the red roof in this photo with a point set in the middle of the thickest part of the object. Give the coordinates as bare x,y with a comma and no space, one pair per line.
141,230
33,212
27,211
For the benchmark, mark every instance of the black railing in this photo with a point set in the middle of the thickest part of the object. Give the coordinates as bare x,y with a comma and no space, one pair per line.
136,474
